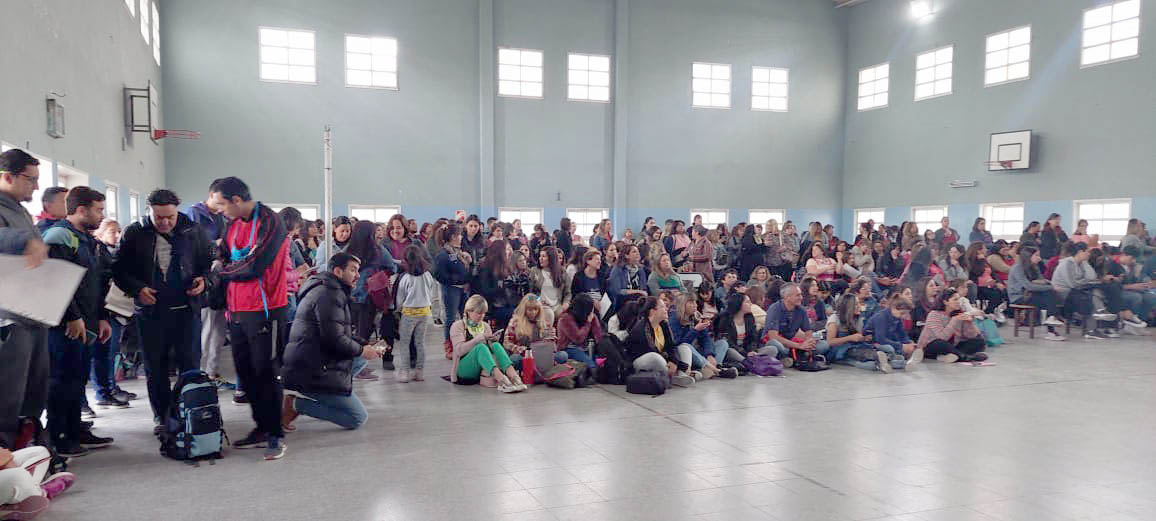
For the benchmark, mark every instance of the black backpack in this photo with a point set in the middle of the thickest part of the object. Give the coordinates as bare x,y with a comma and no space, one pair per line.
193,430
614,368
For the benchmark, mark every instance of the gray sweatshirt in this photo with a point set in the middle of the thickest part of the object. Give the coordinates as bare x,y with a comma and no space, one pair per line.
1018,284
414,292
1071,275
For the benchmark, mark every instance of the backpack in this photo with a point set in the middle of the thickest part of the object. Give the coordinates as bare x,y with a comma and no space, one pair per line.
763,365
647,382
808,361
193,429
614,368
381,290
562,376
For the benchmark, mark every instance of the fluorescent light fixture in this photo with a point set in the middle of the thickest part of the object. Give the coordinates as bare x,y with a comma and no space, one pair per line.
920,9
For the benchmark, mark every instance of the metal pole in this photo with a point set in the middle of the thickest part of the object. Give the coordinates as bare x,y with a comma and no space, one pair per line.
327,211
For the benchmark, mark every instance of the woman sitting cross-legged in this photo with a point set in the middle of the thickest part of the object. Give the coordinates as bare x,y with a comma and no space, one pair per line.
737,325
851,345
477,352
886,328
576,327
532,322
651,346
949,332
689,327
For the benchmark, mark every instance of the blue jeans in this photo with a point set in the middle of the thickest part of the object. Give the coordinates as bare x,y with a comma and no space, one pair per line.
104,362
579,354
453,297
345,411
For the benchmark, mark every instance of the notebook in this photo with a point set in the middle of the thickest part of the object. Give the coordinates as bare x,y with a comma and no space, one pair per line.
40,294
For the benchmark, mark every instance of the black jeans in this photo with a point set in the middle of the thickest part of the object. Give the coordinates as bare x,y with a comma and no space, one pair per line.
1045,300
65,385
167,340
254,339
970,346
24,376
993,296
1078,301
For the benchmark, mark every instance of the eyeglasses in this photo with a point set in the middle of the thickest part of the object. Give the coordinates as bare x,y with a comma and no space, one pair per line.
34,180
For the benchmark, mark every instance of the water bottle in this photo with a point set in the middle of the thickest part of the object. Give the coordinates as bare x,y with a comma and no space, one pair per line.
528,367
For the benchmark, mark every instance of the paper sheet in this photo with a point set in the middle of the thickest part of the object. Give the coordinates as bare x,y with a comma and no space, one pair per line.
40,294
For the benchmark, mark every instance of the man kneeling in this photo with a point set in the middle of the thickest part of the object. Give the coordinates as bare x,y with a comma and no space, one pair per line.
323,355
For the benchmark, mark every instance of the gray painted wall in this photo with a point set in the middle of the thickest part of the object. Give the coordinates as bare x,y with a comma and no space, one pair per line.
87,51
1094,126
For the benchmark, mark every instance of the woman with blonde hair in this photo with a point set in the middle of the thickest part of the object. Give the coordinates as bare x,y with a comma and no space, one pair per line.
477,353
532,322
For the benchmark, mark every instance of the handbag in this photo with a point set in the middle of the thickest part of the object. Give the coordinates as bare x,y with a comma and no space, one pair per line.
647,382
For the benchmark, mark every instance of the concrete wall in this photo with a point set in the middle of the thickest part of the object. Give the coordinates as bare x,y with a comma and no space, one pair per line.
86,53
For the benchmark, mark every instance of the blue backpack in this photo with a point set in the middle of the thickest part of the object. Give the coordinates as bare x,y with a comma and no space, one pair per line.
193,430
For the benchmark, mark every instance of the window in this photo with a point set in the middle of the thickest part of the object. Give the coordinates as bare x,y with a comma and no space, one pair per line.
1008,56
131,4
762,216
933,73
370,61
711,217
863,215
67,177
111,200
1107,217
309,212
529,217
769,89
1111,33
156,35
377,214
928,217
589,77
1004,220
520,73
144,20
585,219
710,85
873,86
133,207
287,55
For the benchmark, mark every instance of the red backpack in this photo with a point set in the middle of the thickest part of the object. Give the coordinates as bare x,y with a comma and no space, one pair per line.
381,292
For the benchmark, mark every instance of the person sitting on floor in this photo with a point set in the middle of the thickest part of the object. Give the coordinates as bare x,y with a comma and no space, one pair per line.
477,352
24,491
650,345
950,333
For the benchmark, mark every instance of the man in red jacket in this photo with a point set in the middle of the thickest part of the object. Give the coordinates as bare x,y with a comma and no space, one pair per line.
254,250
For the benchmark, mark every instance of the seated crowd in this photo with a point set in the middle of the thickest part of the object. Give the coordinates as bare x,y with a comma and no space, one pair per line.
304,319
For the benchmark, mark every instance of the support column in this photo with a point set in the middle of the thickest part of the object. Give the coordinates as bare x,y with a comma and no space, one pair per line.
486,86
620,107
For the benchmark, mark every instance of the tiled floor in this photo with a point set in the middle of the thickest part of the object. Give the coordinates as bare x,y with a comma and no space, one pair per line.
1055,431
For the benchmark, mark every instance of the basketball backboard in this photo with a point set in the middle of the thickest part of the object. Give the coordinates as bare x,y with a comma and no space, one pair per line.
1010,151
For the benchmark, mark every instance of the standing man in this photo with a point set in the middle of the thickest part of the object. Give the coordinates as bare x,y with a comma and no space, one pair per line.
207,215
55,207
85,321
23,348
946,236
162,263
255,249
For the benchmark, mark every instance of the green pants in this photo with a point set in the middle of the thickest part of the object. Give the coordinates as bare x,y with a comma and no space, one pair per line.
482,359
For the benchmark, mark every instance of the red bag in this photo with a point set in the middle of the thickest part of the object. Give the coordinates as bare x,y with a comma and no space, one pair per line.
380,290
529,370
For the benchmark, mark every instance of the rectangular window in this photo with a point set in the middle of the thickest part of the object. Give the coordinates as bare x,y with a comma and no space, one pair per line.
131,4
585,219
111,200
1004,220
762,216
928,217
144,20
873,86
711,217
376,214
933,73
309,212
133,207
529,217
1008,56
710,85
769,89
287,55
863,215
370,61
1111,33
156,35
588,77
1106,217
520,73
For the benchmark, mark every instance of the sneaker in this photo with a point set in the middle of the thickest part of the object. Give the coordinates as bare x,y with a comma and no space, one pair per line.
367,374
275,448
1104,315
70,449
509,388
240,398
253,440
729,372
57,483
86,412
402,375
111,401
1110,333
949,358
882,363
788,362
86,425
682,380
122,394
999,316
416,375
916,357
27,509
288,413
1135,322
89,440
1092,334
1129,329
1054,337
1052,321
697,375
386,363
222,383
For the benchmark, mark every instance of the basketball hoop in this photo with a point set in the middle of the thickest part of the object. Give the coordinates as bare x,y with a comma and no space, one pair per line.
999,165
176,134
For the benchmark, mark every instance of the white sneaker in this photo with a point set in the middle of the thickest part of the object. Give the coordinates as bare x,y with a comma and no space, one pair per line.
882,363
697,375
682,380
916,357
1129,329
999,316
1053,321
1135,322
402,375
949,358
1055,337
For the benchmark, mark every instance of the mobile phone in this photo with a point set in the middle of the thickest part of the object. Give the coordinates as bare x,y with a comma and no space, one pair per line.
499,332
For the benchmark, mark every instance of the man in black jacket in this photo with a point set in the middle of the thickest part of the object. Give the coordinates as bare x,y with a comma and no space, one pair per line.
162,264
85,321
323,355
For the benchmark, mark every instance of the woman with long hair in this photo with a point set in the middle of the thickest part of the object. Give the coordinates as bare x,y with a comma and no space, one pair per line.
549,280
701,254
690,327
979,233
1031,235
531,322
950,333
1052,236
474,241
629,277
342,229
988,288
736,324
650,345
910,235
563,239
578,325
1027,285
663,277
752,252
586,280
493,282
677,244
653,246
374,258
476,351
850,345
397,236
452,271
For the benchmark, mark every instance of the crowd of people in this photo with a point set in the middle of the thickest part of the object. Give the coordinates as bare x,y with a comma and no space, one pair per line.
303,320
